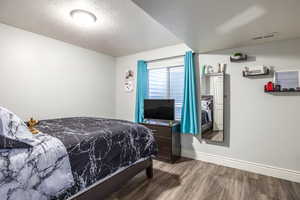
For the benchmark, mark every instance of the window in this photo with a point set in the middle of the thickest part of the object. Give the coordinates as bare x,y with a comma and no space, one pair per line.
167,83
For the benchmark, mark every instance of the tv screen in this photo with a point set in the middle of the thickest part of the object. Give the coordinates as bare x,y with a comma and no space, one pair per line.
159,109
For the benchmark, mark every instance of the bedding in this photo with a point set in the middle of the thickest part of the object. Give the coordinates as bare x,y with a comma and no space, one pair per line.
13,131
68,155
206,113
99,147
204,117
36,171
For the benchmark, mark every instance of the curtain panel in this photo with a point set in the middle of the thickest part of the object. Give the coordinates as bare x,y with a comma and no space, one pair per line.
141,90
189,114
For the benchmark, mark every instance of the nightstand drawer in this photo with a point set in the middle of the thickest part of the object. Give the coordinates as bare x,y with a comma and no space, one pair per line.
167,137
164,148
160,131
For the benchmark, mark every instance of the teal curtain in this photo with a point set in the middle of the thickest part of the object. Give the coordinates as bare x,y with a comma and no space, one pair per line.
189,114
141,90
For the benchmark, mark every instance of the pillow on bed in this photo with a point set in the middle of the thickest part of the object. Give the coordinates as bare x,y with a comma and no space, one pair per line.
13,131
204,105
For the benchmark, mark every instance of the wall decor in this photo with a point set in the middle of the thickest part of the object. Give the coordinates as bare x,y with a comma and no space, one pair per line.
284,81
238,57
256,71
209,69
129,81
129,74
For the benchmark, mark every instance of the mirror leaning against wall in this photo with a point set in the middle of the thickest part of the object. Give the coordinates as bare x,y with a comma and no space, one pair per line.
212,102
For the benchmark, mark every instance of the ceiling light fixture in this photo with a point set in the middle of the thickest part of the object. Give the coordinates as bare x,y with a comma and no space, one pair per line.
83,17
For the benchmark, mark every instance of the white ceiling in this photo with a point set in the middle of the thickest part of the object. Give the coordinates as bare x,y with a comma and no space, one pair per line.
207,25
122,27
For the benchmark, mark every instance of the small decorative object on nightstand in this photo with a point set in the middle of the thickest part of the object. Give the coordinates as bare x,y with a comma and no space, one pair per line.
167,136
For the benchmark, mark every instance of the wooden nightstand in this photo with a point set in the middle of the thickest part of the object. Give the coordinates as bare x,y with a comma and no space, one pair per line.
168,139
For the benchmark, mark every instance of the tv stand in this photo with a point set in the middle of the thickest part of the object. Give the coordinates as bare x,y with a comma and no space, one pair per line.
167,136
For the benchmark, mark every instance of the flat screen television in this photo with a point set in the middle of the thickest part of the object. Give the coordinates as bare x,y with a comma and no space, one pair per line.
162,109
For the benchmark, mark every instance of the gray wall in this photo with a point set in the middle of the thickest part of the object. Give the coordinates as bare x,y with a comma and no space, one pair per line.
261,128
46,78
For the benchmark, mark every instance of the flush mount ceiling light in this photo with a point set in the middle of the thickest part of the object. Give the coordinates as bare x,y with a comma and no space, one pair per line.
83,17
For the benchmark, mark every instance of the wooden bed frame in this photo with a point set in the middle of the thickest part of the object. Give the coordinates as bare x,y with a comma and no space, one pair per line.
112,184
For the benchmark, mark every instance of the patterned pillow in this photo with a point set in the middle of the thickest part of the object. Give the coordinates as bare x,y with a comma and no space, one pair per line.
13,131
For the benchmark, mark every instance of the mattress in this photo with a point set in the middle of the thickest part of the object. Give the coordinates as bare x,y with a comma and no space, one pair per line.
99,147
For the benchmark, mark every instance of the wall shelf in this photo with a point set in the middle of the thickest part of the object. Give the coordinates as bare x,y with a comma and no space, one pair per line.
281,91
256,75
215,74
242,59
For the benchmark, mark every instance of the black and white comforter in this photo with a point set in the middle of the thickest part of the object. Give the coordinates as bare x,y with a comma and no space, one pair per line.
70,155
33,167
99,147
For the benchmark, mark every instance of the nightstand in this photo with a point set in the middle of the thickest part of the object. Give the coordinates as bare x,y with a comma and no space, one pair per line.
168,139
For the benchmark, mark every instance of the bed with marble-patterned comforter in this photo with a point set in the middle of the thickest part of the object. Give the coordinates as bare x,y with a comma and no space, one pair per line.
67,156
99,147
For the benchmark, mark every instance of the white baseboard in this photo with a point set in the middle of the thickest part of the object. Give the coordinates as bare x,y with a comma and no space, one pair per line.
243,165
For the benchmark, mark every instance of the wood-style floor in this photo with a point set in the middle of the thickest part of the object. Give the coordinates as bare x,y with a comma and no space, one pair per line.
216,136
196,180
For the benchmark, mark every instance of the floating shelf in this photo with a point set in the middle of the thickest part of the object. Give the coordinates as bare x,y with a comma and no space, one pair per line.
281,91
254,75
242,59
215,74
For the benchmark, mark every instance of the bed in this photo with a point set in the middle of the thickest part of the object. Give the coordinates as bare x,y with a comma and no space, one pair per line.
100,154
206,113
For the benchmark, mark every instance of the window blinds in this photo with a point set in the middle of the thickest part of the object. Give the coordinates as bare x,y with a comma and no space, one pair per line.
167,83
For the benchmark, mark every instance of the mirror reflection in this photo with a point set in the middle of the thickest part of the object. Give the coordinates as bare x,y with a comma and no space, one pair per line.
212,106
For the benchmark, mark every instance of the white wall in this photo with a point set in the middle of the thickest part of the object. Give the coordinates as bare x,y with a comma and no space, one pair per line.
46,78
261,128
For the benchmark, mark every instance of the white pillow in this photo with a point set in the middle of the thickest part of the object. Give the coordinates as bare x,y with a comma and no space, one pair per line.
13,130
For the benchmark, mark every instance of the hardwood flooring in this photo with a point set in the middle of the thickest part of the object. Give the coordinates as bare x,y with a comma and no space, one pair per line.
216,136
195,180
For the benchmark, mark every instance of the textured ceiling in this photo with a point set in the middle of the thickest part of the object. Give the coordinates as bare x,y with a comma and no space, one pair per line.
122,27
207,25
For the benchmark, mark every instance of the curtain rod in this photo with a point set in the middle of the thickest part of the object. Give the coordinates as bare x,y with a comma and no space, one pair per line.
166,58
